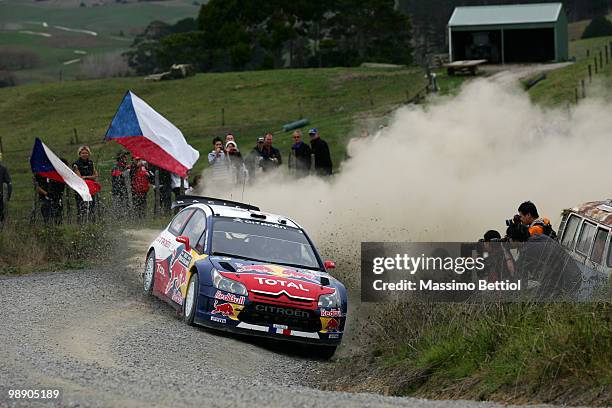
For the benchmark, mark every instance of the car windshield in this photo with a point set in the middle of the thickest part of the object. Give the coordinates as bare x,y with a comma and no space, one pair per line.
262,241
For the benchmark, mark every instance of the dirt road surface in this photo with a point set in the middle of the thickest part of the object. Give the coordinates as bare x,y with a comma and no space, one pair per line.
96,336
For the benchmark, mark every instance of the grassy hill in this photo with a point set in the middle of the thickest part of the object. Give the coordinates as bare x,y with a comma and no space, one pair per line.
560,85
335,100
44,28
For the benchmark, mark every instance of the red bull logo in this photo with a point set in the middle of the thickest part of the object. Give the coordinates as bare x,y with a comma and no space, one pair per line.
332,325
225,309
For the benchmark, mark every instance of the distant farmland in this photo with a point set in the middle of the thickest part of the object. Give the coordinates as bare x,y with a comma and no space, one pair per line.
61,33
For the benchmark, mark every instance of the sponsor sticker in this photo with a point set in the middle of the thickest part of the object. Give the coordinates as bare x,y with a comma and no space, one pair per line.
282,311
265,224
225,309
284,284
230,297
185,259
218,319
334,336
332,325
280,326
331,313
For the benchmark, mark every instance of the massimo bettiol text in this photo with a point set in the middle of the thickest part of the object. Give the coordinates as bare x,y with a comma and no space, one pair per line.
446,272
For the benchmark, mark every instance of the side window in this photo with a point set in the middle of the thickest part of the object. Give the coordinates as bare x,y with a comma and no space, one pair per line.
177,224
194,229
585,238
569,233
600,244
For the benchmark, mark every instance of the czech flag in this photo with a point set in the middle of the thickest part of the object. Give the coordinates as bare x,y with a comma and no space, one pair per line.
46,164
147,134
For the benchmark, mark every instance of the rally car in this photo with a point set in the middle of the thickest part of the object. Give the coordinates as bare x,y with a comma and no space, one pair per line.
228,265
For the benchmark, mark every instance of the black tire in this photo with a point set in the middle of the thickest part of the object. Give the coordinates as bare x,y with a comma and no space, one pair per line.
324,352
192,290
149,263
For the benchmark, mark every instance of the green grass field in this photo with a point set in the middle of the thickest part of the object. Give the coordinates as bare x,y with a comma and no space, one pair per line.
334,100
108,21
559,87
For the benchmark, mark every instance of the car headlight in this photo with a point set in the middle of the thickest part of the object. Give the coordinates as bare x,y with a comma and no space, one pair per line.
228,285
330,300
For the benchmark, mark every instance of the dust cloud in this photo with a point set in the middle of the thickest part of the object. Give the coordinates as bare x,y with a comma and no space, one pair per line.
449,171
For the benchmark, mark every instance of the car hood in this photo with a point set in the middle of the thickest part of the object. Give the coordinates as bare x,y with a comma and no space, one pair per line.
266,281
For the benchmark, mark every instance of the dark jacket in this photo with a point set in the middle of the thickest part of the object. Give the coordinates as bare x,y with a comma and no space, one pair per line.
5,178
299,159
322,159
85,167
271,158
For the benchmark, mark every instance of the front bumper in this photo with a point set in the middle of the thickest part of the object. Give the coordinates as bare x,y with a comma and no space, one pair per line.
239,316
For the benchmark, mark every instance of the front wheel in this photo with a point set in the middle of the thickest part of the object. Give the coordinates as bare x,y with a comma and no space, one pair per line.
148,276
191,300
324,352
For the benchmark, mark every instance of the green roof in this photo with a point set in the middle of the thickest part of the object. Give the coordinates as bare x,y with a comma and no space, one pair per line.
506,14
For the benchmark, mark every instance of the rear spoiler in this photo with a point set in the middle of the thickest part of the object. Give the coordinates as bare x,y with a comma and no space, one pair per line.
185,200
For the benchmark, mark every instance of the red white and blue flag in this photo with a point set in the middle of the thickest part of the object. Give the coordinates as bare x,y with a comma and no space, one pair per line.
46,164
147,134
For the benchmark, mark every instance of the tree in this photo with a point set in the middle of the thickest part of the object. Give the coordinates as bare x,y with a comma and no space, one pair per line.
600,26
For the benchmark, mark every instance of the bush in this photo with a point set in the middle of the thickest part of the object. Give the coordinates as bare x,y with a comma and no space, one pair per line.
600,26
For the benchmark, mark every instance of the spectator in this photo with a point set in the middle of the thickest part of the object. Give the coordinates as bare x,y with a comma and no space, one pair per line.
237,166
176,182
141,180
229,137
299,158
119,191
254,158
220,167
165,191
5,178
271,157
86,169
50,194
322,158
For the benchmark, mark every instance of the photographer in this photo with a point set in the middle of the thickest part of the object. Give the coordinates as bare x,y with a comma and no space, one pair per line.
535,225
545,268
237,166
499,263
220,166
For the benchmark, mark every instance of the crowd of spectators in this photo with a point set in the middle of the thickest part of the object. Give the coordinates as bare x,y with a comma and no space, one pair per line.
132,177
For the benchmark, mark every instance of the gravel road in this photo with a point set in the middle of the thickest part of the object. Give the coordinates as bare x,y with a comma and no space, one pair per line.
93,334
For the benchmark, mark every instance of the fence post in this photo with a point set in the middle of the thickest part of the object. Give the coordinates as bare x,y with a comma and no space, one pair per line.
596,69
222,116
76,136
370,96
600,59
590,74
576,94
583,88
1,146
588,53
68,206
607,54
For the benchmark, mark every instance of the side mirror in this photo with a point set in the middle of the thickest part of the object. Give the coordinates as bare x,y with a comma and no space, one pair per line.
184,240
329,264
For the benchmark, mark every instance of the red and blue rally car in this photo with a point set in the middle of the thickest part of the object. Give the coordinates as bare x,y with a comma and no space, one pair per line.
230,266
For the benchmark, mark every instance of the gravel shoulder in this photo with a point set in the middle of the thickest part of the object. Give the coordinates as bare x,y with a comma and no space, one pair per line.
93,334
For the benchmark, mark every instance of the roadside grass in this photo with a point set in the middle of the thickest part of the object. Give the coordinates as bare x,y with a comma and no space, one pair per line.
30,248
555,353
337,100
560,85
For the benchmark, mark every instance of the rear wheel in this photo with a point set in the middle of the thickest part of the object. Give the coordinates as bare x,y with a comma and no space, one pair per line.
148,276
190,304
